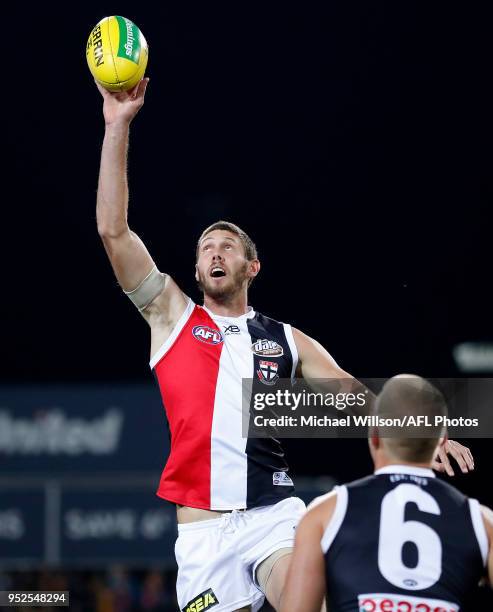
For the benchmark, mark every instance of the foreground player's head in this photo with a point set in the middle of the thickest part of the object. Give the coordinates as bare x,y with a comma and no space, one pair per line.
226,261
416,399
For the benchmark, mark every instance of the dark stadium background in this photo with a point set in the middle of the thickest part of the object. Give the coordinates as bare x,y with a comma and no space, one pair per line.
351,140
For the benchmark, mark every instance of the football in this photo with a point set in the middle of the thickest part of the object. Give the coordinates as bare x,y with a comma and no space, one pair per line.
117,53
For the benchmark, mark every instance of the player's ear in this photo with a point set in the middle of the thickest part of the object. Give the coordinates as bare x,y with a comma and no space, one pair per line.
196,273
253,268
374,439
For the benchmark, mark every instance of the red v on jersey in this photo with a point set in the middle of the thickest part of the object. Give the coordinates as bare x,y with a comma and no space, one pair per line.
187,377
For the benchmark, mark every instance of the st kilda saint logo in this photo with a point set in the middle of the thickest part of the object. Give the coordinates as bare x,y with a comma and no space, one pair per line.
207,334
267,372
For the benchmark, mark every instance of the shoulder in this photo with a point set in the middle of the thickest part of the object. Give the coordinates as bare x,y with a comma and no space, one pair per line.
311,348
324,502
167,307
277,329
301,337
265,320
317,516
305,344
364,482
323,508
327,512
449,493
487,514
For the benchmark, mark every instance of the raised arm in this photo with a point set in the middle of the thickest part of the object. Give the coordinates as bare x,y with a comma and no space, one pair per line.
128,256
130,260
323,374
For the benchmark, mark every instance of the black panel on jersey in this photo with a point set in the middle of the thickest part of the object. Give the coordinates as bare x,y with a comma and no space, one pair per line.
265,455
352,559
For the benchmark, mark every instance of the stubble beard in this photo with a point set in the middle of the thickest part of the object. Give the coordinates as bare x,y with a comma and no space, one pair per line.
229,291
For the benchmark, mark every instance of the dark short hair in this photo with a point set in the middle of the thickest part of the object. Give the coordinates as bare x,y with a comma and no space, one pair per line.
248,244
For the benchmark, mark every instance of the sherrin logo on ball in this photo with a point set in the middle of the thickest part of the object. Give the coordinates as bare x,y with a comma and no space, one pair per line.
117,53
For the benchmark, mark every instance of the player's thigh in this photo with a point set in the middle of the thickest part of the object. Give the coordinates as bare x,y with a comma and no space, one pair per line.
272,574
210,571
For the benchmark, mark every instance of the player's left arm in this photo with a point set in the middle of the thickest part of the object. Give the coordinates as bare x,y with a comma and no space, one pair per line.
316,364
322,372
313,360
304,589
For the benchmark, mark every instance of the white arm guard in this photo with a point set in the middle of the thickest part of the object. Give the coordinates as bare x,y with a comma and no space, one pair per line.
149,288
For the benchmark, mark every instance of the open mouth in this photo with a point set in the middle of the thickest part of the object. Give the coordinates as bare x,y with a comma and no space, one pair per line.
217,272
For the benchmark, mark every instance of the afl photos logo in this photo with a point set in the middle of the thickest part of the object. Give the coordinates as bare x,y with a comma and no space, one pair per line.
267,348
207,334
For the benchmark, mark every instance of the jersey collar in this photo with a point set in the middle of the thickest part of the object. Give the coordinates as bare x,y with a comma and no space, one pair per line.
406,469
249,314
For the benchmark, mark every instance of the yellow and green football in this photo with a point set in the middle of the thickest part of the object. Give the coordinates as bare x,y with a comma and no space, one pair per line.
117,53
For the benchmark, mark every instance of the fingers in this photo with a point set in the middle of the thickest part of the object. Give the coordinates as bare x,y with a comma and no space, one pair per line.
107,94
132,93
104,92
142,87
462,455
455,450
437,466
442,453
469,458
122,105
138,92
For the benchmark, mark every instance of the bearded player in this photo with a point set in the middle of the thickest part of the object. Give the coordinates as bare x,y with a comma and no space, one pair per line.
235,506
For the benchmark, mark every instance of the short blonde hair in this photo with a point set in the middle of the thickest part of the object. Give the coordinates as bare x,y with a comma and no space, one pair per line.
408,395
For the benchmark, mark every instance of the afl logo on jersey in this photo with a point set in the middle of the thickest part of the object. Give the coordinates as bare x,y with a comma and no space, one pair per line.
207,334
267,348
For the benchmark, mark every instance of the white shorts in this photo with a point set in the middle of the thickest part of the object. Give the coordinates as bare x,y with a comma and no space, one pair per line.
217,559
